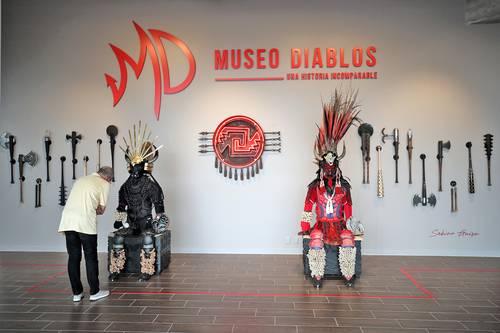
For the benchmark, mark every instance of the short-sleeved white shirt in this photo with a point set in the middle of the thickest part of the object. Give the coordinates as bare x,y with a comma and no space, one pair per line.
79,213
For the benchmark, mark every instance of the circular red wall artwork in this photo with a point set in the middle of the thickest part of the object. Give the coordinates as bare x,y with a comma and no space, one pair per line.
238,143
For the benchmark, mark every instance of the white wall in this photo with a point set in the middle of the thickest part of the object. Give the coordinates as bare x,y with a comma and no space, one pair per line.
437,76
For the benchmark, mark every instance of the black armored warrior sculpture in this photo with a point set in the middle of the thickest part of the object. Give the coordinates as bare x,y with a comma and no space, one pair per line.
137,197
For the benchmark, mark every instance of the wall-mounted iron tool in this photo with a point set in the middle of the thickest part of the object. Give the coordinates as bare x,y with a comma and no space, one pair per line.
441,146
62,188
74,141
453,192
409,148
85,164
38,193
112,132
395,137
488,149
380,180
31,158
47,141
365,131
471,171
99,142
423,199
8,141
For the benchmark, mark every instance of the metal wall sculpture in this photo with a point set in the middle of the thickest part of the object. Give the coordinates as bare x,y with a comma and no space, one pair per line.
238,143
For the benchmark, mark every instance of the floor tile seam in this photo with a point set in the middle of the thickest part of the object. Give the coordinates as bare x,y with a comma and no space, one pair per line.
109,326
448,321
31,309
48,324
38,317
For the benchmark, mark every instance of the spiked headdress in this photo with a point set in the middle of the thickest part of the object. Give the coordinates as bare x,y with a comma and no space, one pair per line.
141,148
338,116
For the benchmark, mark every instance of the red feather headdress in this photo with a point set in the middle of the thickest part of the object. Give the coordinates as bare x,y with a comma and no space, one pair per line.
338,116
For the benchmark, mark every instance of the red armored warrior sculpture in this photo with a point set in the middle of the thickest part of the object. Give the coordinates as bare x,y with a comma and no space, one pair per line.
330,192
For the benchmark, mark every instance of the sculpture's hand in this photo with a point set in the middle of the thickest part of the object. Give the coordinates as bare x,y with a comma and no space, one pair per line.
303,233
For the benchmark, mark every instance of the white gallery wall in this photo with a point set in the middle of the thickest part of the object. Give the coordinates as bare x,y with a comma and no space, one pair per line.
436,75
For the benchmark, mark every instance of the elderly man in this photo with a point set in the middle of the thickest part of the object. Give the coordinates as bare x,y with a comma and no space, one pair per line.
87,199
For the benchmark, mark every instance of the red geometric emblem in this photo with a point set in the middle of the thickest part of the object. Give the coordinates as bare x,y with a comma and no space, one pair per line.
238,142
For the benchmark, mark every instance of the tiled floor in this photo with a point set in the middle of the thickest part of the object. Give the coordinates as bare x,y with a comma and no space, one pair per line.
256,293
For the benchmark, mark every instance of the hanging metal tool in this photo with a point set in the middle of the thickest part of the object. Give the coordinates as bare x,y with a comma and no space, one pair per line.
99,142
380,180
74,140
453,192
8,141
85,164
62,188
423,199
471,171
31,158
395,137
112,132
441,146
488,149
409,148
38,193
365,131
47,141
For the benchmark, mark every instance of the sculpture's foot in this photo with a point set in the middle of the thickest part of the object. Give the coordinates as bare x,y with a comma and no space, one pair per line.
144,277
349,283
317,282
114,277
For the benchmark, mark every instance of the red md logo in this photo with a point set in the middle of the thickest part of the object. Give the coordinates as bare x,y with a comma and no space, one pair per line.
154,48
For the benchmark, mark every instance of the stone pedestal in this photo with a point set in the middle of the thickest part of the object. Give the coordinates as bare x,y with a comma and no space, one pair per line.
133,246
332,269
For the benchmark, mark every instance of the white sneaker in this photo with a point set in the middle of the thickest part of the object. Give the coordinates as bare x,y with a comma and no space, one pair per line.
99,295
77,298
